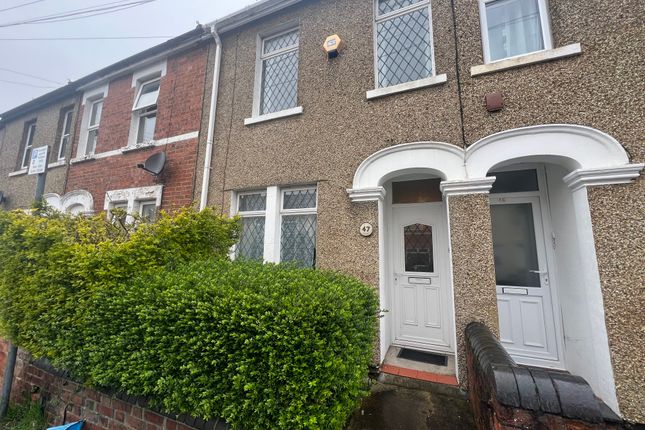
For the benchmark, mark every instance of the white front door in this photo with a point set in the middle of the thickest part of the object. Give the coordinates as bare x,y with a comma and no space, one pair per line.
524,300
419,252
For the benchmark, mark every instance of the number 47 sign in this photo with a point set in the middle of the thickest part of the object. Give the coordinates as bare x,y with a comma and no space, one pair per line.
38,162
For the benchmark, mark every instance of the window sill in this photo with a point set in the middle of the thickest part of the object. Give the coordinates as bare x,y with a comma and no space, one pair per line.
408,86
18,173
82,159
274,115
525,60
137,147
59,163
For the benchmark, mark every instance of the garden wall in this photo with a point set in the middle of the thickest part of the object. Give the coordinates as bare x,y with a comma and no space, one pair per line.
102,410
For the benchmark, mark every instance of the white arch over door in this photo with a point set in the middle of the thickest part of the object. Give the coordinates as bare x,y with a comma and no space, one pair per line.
79,201
589,153
442,159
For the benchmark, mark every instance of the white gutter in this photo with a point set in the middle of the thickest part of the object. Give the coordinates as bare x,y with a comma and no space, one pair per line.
211,121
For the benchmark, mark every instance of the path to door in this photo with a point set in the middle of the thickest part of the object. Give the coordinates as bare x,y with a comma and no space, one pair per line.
397,403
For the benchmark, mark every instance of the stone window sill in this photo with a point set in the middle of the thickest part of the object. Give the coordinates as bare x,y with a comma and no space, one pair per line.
82,159
275,115
18,173
525,60
59,163
408,86
138,147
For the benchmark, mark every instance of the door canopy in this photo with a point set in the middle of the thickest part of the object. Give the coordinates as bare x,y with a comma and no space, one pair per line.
593,157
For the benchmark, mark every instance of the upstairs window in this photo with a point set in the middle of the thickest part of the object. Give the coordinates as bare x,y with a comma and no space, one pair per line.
145,111
403,44
278,66
514,27
252,210
66,134
28,144
96,109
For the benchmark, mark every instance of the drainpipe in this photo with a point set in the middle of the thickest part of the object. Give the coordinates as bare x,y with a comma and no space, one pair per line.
211,120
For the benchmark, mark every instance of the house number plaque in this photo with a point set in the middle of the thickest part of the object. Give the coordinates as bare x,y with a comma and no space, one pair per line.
367,229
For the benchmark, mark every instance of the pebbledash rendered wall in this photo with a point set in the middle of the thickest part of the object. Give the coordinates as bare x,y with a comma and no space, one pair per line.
339,128
19,188
179,113
601,88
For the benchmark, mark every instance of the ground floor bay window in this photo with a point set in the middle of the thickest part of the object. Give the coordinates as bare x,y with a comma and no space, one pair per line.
278,225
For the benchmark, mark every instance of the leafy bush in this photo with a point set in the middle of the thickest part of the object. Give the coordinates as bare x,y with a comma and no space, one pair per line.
53,264
263,346
161,314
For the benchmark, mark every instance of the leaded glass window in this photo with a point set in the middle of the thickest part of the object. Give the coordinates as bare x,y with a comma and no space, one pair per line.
403,42
419,250
279,72
251,208
299,223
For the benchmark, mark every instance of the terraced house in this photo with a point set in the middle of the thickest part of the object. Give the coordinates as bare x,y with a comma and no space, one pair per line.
476,161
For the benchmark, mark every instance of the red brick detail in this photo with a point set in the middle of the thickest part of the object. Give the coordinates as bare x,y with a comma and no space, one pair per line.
101,411
422,376
179,112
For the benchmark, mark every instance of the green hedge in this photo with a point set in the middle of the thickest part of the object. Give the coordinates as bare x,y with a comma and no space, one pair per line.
160,313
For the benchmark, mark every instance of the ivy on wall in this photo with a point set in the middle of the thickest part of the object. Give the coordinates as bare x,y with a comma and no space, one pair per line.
159,311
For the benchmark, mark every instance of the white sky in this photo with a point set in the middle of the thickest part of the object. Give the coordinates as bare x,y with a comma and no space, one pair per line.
62,60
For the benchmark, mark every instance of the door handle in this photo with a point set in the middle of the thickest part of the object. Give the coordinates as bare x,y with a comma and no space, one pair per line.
539,272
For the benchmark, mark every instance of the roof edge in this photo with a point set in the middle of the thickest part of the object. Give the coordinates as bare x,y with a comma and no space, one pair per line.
182,41
251,13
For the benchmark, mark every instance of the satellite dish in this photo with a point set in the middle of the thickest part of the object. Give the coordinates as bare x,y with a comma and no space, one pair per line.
154,164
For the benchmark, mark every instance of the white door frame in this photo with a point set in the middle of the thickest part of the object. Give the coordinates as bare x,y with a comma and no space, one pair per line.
547,236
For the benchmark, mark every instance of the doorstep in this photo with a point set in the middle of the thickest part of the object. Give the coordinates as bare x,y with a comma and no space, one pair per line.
420,375
396,364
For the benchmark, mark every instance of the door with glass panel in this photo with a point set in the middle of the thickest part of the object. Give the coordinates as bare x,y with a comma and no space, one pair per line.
524,296
421,295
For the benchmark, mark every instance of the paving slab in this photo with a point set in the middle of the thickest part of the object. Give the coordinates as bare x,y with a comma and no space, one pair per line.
392,406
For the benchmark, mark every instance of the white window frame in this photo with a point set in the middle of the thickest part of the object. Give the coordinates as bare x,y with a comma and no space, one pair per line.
405,86
299,211
139,80
89,98
138,113
260,57
93,127
29,144
250,214
143,203
273,216
65,134
543,7
133,197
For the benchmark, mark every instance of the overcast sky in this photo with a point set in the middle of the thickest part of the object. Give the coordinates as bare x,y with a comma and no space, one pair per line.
60,61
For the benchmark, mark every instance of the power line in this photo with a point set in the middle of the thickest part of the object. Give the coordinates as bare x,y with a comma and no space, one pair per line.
75,14
21,5
85,38
24,84
30,76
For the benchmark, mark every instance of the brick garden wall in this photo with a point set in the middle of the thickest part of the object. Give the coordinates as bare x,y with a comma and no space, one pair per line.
101,410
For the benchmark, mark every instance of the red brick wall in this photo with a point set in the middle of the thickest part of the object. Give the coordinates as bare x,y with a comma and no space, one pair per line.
179,112
102,411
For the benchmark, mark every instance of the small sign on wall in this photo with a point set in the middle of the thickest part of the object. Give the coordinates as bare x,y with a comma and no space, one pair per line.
366,229
38,162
